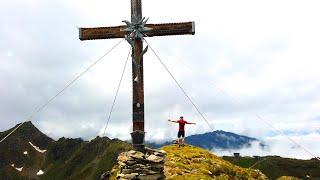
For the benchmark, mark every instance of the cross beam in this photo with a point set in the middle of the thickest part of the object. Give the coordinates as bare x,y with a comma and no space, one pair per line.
134,32
119,31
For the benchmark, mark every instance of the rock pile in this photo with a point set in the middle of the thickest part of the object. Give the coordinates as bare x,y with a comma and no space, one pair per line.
142,166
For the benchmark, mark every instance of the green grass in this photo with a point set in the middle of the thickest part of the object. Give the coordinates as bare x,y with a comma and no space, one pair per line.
89,160
275,166
242,162
195,163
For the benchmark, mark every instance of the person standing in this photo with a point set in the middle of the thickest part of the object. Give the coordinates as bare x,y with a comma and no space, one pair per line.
181,132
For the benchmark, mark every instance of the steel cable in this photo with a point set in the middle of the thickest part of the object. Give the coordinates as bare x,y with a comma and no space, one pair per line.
60,92
181,88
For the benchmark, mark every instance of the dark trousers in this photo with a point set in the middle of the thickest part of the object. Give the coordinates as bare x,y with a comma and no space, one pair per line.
181,134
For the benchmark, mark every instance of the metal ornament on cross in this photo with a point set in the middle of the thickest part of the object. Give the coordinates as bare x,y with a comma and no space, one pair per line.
134,31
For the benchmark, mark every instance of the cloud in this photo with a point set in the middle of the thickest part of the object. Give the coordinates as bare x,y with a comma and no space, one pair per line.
246,58
280,146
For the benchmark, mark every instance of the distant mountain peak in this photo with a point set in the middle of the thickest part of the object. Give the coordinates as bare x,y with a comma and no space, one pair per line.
27,132
28,125
218,139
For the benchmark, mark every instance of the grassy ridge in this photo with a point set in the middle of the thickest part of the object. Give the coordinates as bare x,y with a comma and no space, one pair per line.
275,166
191,162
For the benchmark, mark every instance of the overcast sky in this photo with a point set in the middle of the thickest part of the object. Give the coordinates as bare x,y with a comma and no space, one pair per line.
247,58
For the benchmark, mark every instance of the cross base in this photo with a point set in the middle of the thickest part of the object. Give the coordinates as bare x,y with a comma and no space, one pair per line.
138,140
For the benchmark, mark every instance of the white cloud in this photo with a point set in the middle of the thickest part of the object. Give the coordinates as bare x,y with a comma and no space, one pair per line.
264,54
281,146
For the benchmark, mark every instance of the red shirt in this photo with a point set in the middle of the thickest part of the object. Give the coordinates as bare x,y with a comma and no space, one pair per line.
181,124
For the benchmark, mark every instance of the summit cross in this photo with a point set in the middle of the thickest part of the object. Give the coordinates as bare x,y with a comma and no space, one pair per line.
134,32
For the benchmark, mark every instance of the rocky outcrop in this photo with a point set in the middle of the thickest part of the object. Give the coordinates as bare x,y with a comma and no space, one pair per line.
144,166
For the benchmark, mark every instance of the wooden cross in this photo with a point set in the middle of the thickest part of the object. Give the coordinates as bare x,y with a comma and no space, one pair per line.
134,32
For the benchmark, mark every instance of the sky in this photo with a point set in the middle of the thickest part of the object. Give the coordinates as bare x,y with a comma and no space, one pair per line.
251,64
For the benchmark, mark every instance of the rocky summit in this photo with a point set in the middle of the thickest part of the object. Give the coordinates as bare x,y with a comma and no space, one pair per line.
138,165
175,163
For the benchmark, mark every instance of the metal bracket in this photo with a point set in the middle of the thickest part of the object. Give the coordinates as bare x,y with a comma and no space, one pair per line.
143,52
136,29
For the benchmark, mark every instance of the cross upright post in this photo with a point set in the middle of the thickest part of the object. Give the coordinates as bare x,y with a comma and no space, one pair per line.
137,81
134,32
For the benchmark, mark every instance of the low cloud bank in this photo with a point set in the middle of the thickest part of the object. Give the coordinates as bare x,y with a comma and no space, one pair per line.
281,146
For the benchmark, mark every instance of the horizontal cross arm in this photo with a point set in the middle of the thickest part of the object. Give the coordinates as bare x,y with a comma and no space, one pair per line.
119,31
169,29
102,33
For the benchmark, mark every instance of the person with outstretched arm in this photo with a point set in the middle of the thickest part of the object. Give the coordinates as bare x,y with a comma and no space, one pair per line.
181,132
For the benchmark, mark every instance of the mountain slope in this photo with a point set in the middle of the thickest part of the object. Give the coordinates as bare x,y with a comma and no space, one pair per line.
78,159
75,159
62,159
17,150
275,166
196,163
220,140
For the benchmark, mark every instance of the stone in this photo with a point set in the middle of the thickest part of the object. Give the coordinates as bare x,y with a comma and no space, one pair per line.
141,166
120,176
151,177
123,157
155,167
137,165
113,170
147,171
158,154
132,152
105,175
127,171
149,150
130,163
152,151
121,164
136,154
162,151
154,164
188,171
154,158
130,176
